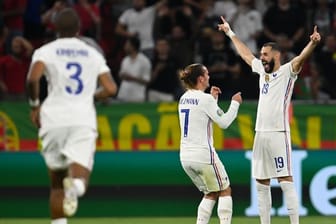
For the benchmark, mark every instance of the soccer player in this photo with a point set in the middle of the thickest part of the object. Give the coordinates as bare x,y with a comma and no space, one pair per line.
67,117
272,147
197,112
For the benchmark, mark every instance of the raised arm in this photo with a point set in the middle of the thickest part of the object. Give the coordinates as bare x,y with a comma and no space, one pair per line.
298,61
244,52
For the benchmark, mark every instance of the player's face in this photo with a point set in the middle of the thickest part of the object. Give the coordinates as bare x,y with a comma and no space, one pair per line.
267,58
206,78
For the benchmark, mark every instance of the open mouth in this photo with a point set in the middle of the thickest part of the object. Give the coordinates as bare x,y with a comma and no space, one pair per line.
266,65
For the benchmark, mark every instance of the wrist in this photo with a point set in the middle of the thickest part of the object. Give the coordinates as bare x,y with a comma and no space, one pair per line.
34,103
230,34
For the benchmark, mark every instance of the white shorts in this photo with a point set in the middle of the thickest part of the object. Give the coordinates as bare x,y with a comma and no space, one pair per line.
207,177
62,146
271,156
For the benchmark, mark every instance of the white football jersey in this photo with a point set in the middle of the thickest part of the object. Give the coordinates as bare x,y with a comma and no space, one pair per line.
274,97
197,111
72,68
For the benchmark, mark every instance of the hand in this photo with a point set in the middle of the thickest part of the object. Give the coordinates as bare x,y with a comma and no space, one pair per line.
35,116
225,26
315,37
215,91
237,97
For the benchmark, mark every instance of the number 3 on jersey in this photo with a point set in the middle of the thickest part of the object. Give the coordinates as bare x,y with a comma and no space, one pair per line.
186,121
75,70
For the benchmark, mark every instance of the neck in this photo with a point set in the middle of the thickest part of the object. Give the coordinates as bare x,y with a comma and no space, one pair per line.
133,54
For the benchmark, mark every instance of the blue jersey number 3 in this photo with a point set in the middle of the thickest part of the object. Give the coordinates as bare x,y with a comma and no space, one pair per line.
186,122
76,71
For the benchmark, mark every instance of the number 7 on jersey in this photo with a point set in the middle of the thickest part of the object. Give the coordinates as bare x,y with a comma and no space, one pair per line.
186,121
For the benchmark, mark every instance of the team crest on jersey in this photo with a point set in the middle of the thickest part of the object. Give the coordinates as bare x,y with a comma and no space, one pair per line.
267,78
220,112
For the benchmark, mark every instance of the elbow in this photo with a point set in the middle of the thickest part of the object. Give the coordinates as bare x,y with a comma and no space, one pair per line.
224,125
112,90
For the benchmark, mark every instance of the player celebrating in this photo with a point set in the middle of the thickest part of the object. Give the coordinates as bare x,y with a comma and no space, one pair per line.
272,147
197,111
67,117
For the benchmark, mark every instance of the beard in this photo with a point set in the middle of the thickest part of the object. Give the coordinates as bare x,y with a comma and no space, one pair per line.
268,65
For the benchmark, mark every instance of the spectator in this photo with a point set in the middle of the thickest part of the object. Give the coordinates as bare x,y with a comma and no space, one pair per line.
34,29
48,17
138,21
164,85
315,84
170,15
89,14
135,73
220,8
222,63
247,22
286,50
12,12
182,46
322,16
326,60
216,8
13,69
283,12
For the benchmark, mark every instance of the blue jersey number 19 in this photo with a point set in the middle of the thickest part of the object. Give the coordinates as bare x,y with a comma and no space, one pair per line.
76,71
186,122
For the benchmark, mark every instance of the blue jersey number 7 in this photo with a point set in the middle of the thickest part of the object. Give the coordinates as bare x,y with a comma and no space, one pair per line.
186,121
76,71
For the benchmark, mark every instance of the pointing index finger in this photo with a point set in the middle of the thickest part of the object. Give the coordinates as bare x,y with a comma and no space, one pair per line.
223,19
315,29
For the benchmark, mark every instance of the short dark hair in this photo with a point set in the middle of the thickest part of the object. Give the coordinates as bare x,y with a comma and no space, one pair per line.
273,45
67,23
135,42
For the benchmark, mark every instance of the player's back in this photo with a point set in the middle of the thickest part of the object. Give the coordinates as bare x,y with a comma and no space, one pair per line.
72,68
196,126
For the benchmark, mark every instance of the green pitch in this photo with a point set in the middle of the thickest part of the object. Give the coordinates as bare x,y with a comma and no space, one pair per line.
169,220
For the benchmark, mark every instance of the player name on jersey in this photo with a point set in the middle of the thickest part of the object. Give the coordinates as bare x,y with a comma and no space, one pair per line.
193,101
68,52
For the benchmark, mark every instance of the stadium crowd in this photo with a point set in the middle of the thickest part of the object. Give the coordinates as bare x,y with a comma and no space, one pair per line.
171,35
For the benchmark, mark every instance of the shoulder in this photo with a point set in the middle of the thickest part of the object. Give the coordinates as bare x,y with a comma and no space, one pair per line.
45,49
288,69
257,65
127,13
48,45
149,9
207,98
144,58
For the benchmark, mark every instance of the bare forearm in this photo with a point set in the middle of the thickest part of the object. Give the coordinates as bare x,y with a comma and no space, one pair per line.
244,52
299,60
101,93
242,49
33,90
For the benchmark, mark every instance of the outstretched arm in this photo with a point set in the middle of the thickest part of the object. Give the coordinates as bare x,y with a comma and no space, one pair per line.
242,49
298,61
